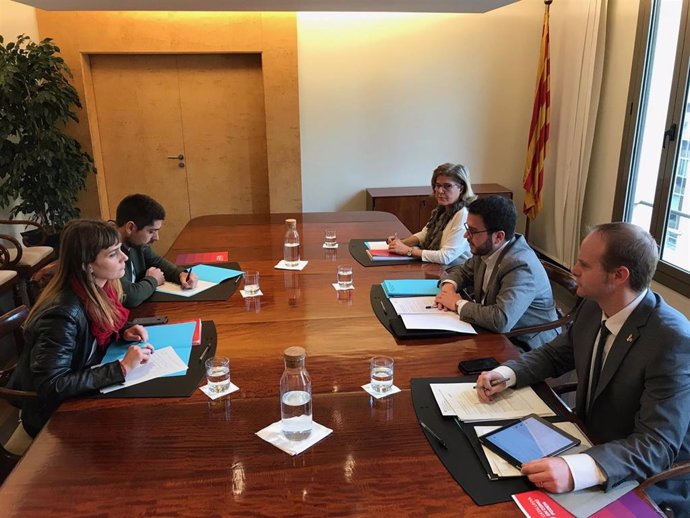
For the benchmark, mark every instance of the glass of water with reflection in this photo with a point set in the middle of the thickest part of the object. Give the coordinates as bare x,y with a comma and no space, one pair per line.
381,368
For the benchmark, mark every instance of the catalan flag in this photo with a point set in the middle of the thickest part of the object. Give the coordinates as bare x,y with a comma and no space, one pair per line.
533,179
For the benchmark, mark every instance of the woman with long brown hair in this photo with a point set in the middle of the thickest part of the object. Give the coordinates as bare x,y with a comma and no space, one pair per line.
74,320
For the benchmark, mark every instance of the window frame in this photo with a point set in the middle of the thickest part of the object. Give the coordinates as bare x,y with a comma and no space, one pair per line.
667,274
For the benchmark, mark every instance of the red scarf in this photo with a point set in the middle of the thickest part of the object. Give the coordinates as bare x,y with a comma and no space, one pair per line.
102,331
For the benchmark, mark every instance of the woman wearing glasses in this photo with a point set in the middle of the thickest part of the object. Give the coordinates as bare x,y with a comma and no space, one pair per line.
442,239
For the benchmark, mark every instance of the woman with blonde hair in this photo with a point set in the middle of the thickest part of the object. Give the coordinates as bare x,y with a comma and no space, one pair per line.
442,239
74,320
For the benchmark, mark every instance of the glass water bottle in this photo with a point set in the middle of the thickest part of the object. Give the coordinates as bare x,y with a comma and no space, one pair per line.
291,254
295,396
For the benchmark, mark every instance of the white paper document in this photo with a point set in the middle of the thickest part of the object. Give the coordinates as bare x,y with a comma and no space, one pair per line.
163,361
461,399
443,320
414,305
502,468
176,289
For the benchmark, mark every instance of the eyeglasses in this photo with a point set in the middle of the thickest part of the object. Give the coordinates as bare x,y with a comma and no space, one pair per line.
473,232
445,186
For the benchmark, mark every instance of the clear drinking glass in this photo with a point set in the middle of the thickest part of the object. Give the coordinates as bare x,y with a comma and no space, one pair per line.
345,275
381,368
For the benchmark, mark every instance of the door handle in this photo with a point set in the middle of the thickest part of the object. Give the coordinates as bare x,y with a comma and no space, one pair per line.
176,157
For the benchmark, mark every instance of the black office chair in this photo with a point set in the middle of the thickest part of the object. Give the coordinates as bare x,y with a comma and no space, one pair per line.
676,470
11,324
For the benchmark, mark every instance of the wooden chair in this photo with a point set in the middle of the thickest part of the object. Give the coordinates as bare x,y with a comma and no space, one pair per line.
676,470
564,287
11,324
23,258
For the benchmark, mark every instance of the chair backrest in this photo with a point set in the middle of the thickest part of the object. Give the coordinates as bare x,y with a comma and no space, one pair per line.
11,325
564,288
7,463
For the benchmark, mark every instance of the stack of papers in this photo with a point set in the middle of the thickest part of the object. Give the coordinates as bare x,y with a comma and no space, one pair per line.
461,400
209,276
422,313
376,245
387,255
162,362
410,287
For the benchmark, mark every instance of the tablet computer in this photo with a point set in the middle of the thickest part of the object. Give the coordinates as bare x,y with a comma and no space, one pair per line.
528,439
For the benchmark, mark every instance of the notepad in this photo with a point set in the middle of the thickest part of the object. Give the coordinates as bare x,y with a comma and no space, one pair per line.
440,320
376,245
209,276
162,362
410,287
178,336
461,399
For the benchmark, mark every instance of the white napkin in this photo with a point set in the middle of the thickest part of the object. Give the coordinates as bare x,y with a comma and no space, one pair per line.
282,266
378,395
330,247
273,434
215,395
245,295
338,288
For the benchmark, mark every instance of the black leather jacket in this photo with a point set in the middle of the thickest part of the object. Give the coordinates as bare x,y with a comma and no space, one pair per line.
59,351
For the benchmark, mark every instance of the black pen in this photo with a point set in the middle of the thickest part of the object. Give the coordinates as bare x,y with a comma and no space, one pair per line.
495,382
203,354
383,307
188,271
433,434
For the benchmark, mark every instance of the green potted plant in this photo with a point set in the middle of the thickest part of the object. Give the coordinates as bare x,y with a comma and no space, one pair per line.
42,169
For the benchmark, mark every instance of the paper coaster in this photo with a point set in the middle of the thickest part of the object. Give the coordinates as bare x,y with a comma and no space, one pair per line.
245,295
273,434
330,247
215,395
338,288
282,266
378,395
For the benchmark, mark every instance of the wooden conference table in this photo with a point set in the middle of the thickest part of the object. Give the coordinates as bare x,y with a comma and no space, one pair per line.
195,457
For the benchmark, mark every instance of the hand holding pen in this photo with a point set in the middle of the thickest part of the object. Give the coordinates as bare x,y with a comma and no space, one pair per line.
392,238
188,280
490,383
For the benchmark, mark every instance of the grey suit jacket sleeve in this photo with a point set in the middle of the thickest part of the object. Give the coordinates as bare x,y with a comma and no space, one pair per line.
170,271
463,274
517,290
135,293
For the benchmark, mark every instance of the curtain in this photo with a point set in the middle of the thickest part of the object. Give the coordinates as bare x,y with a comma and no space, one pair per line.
578,34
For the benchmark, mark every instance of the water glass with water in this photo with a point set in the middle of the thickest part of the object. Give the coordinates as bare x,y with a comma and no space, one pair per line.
251,282
345,276
330,239
218,374
381,373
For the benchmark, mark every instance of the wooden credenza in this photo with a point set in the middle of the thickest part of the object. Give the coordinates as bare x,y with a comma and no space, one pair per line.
413,205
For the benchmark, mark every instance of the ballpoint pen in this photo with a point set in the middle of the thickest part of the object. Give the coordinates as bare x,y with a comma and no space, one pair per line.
188,271
383,307
495,382
237,279
433,434
203,354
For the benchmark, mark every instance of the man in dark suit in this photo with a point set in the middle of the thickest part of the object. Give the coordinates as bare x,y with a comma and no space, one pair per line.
511,288
633,396
139,219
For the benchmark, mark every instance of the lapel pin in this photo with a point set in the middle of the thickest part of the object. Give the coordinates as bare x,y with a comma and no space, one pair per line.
629,339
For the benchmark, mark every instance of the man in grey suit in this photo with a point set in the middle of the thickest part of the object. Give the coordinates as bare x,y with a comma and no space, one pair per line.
511,288
631,352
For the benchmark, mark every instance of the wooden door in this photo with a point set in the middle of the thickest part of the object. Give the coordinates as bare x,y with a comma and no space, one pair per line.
207,108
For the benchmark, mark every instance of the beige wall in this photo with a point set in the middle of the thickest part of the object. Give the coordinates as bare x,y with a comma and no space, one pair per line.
385,98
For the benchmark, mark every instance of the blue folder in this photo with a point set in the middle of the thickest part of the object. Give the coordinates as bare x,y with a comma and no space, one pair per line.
410,287
178,336
214,274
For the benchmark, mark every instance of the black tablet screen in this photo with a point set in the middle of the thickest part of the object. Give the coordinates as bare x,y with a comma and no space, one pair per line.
530,439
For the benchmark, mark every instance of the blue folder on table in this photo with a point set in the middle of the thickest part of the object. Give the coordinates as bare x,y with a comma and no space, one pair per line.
214,274
410,287
178,336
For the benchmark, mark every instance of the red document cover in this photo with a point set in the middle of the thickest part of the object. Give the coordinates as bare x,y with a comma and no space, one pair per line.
196,337
202,257
537,504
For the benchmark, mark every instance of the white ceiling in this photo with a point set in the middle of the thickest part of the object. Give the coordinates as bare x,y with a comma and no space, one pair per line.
420,6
